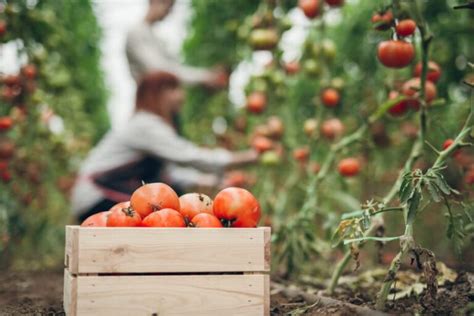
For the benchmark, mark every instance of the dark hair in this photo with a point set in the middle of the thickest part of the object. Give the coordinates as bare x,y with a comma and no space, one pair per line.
150,88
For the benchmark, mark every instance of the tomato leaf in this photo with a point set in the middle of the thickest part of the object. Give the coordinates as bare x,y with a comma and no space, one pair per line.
413,204
432,189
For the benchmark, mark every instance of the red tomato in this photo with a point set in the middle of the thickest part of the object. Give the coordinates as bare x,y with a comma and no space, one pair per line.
301,154
192,204
383,20
3,27
411,89
469,177
122,216
433,74
166,217
256,102
400,108
406,27
335,3
349,167
447,143
6,123
6,176
310,7
262,144
96,220
3,165
12,80
7,149
292,67
29,71
330,97
332,128
206,220
395,54
275,126
153,197
238,207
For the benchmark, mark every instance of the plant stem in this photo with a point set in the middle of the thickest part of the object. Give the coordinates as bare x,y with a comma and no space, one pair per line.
338,271
406,244
414,155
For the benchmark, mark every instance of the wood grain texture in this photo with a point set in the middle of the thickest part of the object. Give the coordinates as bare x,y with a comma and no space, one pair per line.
168,250
173,295
71,249
69,293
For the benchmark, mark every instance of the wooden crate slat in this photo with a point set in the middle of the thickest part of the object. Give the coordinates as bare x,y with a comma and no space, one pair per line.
167,250
173,295
70,293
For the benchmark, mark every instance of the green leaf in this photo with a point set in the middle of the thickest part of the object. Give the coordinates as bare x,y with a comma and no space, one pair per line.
442,184
433,191
413,205
406,189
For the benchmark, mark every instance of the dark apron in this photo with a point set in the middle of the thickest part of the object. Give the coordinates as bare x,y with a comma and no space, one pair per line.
118,184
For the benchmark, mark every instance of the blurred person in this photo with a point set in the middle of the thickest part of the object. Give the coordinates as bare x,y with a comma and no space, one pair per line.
148,149
146,52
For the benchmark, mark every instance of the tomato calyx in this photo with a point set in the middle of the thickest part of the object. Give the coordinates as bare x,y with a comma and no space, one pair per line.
128,211
228,222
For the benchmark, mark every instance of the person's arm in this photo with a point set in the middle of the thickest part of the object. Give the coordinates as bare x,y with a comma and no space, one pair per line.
149,134
187,177
145,56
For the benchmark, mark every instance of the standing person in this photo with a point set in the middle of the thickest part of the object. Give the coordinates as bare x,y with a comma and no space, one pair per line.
147,148
146,52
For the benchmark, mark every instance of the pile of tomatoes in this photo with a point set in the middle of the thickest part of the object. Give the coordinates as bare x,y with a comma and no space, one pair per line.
158,205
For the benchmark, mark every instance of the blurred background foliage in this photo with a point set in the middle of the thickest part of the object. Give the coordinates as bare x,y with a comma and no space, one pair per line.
57,116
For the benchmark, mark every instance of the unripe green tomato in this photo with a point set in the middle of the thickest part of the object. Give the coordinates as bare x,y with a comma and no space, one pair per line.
243,32
277,77
264,39
260,85
329,49
338,83
316,50
270,158
286,24
312,67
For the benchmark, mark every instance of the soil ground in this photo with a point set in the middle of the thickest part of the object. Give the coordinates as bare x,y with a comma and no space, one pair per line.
40,293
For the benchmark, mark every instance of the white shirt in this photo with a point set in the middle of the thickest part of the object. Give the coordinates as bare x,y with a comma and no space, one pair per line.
146,134
147,53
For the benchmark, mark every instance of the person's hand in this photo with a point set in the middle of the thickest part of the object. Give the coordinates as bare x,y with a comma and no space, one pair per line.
237,178
218,79
245,157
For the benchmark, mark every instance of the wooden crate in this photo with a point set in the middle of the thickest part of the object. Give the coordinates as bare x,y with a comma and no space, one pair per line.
167,271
